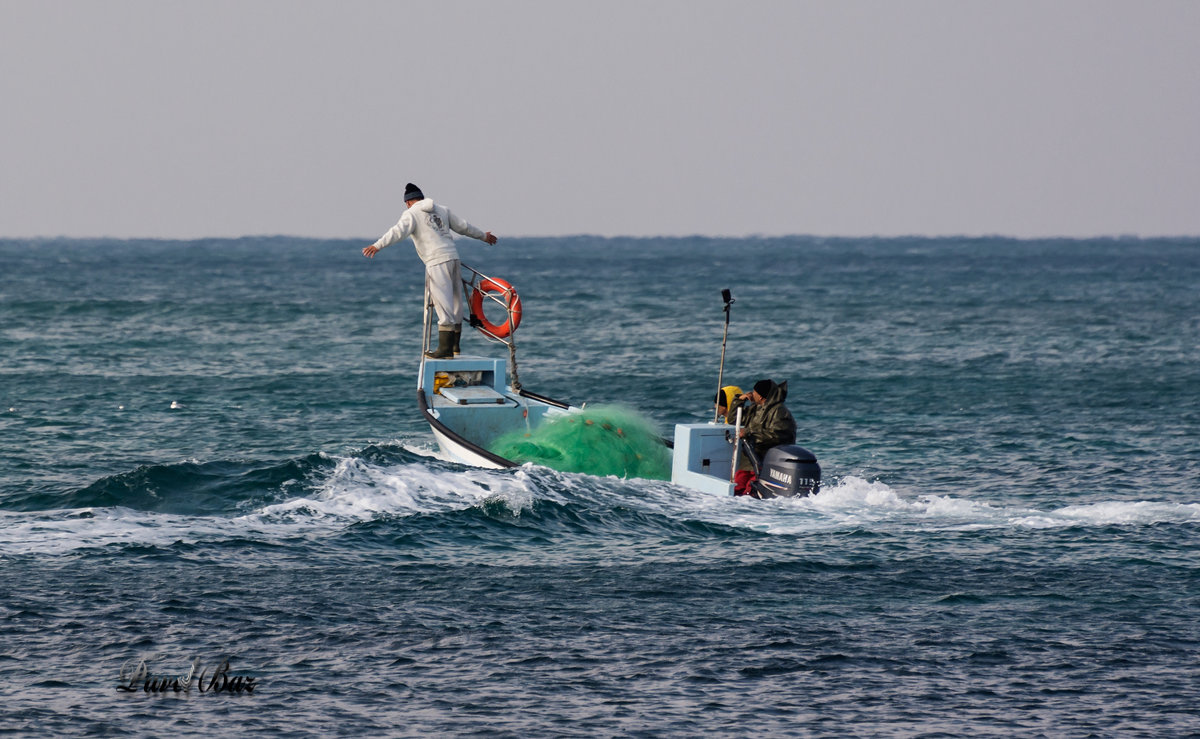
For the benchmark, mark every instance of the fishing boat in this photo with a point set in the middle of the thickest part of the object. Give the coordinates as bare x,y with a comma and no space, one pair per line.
471,402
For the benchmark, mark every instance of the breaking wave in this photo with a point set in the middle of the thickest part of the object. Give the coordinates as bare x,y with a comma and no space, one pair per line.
400,495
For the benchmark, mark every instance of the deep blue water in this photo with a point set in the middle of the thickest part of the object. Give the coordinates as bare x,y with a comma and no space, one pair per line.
210,450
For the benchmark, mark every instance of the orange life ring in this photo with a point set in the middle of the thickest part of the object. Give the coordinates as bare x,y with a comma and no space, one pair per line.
512,302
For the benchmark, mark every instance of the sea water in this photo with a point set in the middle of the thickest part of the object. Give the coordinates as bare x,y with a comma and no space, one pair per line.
212,464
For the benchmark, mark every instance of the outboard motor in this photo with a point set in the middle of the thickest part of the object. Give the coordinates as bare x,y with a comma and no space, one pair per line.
787,471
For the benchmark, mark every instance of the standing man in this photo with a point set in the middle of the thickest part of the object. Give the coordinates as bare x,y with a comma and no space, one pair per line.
429,225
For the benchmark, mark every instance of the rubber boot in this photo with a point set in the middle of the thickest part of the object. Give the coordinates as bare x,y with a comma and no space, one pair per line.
457,339
445,348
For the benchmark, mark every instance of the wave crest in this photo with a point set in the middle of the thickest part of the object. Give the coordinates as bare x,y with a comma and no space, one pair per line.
404,494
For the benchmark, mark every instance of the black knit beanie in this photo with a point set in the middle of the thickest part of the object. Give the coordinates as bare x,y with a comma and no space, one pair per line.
764,387
412,192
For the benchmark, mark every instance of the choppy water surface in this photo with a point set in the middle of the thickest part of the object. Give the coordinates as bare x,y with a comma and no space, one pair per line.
210,451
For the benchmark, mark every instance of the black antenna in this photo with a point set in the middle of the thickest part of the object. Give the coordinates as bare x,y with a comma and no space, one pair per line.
728,298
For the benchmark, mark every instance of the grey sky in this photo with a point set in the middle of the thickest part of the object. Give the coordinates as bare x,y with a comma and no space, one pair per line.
530,117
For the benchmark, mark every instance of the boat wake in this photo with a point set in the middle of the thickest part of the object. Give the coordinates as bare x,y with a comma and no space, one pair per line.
403,493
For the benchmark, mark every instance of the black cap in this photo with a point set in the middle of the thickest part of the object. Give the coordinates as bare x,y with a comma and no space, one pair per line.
412,192
764,387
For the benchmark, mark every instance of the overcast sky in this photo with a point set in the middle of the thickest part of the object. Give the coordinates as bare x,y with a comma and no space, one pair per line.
532,118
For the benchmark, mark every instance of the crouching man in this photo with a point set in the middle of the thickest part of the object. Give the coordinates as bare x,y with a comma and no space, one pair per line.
769,424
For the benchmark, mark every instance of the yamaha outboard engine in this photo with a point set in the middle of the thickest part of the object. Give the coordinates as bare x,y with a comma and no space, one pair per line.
787,471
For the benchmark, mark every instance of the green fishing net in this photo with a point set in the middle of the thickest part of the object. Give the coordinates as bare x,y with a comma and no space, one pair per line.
603,440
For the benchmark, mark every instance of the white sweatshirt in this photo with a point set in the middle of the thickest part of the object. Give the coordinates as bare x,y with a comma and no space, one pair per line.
430,225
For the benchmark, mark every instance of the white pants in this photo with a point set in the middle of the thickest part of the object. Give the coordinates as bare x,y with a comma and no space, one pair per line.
444,282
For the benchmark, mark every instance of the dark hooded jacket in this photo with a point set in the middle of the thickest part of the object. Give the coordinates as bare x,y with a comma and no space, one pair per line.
770,424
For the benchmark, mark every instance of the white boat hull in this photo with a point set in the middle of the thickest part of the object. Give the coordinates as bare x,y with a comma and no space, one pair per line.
703,457
462,452
469,406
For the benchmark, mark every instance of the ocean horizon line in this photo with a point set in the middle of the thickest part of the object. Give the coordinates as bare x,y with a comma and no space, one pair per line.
623,237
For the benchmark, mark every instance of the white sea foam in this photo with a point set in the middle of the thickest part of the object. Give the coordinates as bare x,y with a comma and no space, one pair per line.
1120,513
54,532
359,490
853,502
427,449
356,490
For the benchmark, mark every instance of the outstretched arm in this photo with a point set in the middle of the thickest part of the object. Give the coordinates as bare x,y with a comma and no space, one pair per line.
400,231
460,225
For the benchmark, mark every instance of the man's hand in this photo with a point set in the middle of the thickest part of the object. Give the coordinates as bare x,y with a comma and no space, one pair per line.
370,251
489,238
